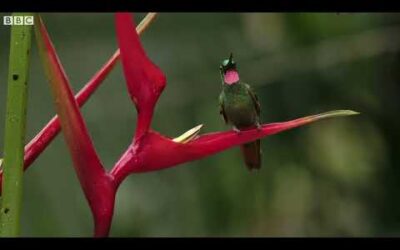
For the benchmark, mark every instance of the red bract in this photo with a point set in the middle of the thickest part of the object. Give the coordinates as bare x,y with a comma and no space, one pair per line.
144,79
156,152
96,183
149,151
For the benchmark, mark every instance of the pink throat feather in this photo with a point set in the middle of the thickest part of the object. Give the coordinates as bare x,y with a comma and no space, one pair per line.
231,77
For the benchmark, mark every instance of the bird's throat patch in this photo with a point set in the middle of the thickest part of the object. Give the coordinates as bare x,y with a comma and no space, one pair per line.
231,77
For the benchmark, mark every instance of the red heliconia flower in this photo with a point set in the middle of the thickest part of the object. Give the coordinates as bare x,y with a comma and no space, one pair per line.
149,151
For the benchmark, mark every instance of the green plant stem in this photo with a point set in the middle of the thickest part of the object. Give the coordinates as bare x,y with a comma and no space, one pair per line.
14,138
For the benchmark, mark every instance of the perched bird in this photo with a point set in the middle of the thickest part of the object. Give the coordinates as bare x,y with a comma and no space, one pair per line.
240,107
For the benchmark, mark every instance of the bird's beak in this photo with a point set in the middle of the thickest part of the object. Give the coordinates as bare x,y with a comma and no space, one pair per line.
230,58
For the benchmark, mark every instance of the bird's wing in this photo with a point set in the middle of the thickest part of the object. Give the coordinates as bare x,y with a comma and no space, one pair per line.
221,107
254,98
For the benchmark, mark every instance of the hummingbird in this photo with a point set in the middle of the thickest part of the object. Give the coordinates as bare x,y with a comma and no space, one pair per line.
240,107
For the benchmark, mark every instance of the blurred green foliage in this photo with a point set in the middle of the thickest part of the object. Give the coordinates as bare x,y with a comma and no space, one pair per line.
338,177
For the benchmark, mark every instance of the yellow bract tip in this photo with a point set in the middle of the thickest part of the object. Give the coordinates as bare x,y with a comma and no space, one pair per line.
188,135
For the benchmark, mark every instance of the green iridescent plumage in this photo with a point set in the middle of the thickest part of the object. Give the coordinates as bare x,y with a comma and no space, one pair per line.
240,107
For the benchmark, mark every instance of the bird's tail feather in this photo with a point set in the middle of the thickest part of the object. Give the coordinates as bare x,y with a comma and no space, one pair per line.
252,154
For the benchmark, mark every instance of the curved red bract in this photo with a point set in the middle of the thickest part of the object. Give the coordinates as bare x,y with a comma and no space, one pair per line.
145,81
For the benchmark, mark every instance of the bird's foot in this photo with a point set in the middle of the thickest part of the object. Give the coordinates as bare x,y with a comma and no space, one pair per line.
259,127
236,130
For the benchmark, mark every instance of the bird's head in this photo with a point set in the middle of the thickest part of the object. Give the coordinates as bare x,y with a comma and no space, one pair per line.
227,64
228,70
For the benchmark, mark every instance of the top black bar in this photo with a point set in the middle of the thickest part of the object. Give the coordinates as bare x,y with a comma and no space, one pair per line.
198,6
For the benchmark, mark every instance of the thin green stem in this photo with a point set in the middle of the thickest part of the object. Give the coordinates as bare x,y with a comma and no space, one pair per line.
14,138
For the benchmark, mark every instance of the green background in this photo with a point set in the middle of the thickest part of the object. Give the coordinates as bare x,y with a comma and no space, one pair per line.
339,177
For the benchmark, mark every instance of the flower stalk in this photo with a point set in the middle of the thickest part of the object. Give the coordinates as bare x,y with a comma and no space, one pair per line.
15,128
